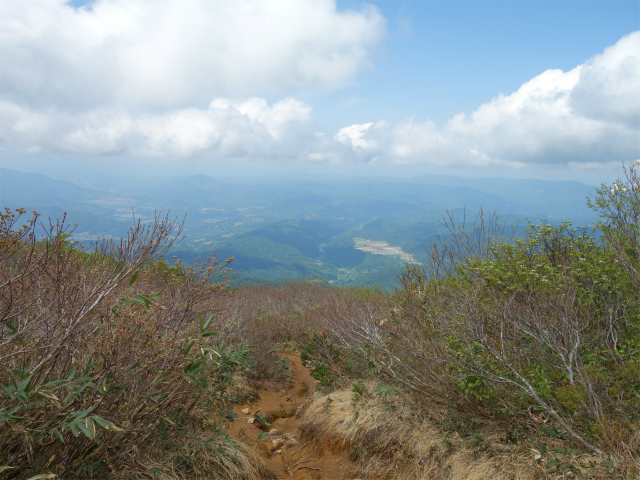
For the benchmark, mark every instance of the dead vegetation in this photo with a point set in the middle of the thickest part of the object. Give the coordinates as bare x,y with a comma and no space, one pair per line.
396,438
108,360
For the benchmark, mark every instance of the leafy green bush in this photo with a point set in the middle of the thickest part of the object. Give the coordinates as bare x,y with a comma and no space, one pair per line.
550,315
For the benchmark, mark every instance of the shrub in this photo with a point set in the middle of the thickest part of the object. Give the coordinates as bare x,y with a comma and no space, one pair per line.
547,321
108,360
268,318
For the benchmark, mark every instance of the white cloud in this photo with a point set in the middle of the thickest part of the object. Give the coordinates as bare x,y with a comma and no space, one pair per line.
247,129
609,84
172,54
182,79
353,135
277,120
136,76
587,115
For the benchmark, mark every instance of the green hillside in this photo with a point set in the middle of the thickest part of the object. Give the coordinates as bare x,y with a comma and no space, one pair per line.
285,229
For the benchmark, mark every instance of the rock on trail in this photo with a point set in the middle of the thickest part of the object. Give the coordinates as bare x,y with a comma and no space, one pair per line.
281,445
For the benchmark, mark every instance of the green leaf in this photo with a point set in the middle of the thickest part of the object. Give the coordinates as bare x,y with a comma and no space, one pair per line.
89,365
11,413
25,385
188,349
194,365
57,434
204,326
74,429
157,472
5,467
106,424
9,392
43,475
100,421
133,279
91,427
102,389
86,426
140,300
71,373
48,395
261,419
83,413
53,383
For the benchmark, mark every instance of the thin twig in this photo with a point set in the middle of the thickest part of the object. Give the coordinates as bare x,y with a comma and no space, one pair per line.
301,461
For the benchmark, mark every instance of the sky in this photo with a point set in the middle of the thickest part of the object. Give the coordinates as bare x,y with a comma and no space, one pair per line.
513,88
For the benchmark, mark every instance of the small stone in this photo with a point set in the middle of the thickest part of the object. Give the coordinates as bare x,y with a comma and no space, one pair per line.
245,411
291,442
277,452
251,420
277,444
275,432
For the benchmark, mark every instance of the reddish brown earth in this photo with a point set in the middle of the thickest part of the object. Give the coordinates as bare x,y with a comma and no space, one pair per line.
300,457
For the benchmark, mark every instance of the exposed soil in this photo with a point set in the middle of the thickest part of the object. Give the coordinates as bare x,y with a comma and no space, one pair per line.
288,452
382,248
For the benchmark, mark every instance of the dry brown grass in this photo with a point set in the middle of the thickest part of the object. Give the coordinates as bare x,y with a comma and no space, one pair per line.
397,440
210,456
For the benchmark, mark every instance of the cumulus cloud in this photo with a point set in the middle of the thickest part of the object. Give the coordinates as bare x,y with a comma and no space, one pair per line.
136,76
170,54
182,79
245,129
609,85
587,115
353,135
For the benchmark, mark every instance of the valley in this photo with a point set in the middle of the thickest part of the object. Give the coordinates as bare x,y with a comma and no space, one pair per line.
345,231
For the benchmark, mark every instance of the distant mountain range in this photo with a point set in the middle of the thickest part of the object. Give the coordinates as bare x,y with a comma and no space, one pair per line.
296,228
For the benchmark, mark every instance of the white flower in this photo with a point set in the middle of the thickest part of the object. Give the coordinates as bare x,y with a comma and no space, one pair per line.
637,162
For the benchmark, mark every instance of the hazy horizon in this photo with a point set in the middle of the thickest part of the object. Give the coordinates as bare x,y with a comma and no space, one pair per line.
77,170
343,230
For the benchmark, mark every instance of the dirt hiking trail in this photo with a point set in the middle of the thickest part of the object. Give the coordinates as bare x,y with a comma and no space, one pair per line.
289,452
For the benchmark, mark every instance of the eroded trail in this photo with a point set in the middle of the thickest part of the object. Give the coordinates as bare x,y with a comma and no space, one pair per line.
289,452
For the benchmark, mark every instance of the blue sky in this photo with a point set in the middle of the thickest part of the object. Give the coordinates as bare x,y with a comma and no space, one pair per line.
520,88
447,56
